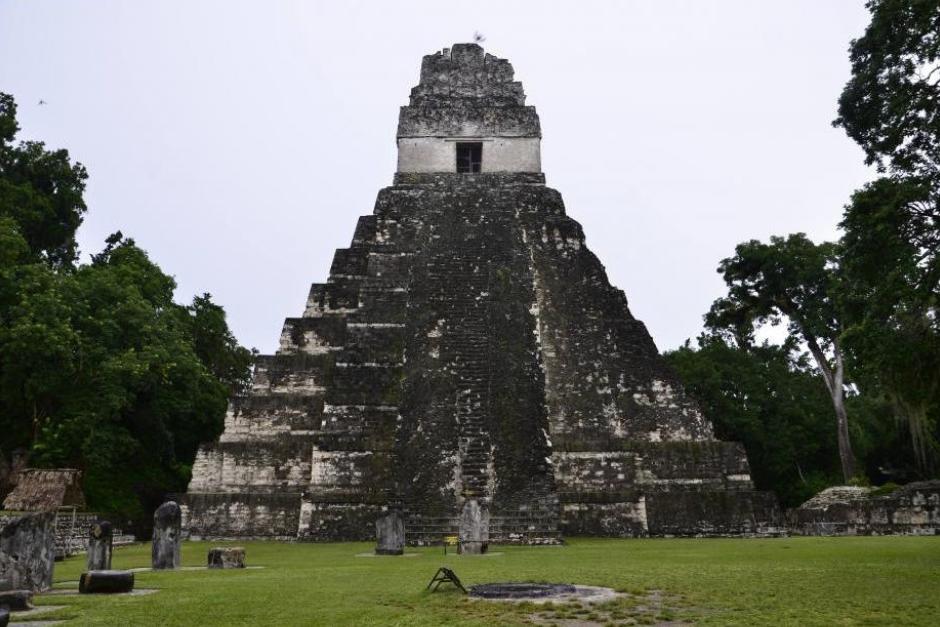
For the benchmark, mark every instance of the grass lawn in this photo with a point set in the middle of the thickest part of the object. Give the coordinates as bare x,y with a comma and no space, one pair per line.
786,581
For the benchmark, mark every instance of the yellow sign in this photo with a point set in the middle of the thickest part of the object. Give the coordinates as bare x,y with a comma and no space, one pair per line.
451,540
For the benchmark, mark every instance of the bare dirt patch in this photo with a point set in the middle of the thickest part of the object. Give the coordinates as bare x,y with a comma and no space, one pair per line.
650,607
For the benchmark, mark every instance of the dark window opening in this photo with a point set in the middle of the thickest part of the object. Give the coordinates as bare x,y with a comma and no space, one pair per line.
469,156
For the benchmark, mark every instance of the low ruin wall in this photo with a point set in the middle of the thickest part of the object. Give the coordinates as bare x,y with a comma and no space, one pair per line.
913,509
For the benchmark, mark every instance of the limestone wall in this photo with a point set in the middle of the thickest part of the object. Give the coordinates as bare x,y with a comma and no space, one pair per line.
500,154
467,94
913,509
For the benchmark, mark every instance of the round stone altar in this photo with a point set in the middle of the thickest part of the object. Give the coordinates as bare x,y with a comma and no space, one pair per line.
520,590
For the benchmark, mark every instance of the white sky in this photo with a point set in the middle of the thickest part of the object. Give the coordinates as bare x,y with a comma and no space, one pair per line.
238,142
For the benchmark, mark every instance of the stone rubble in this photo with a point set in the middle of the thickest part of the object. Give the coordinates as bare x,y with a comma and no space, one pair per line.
226,557
913,509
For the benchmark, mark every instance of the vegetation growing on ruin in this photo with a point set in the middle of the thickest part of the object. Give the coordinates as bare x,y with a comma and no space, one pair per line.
799,581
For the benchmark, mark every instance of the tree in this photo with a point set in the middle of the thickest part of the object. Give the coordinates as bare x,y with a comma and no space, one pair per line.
892,289
217,347
768,398
41,190
99,368
790,280
891,105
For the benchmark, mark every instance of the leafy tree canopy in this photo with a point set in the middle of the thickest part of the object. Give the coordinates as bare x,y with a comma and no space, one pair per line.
891,292
794,280
41,190
99,368
788,280
891,105
769,398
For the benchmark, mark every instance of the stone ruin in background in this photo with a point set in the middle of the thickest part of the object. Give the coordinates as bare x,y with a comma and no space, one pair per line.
913,509
468,346
59,492
45,489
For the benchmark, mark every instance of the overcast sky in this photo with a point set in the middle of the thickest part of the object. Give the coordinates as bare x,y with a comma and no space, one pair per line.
238,142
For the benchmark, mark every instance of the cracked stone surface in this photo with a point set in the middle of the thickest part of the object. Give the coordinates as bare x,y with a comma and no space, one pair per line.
165,550
27,552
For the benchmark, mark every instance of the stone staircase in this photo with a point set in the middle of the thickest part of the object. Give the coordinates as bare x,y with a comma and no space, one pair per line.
469,341
467,344
527,529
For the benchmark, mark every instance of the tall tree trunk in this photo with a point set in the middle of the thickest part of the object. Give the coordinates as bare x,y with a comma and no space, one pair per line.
838,401
835,383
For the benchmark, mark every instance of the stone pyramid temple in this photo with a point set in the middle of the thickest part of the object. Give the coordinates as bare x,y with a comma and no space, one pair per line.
468,350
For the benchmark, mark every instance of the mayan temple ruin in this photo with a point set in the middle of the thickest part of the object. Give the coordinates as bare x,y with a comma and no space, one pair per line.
468,350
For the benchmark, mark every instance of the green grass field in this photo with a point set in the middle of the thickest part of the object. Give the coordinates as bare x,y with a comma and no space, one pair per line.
787,581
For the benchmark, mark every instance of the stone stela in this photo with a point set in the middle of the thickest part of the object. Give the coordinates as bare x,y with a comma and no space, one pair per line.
165,551
468,359
100,539
390,534
27,552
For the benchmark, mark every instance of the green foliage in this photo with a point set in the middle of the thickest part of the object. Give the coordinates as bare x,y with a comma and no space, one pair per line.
216,347
793,280
99,368
869,303
892,291
885,489
892,245
891,105
41,190
788,280
773,403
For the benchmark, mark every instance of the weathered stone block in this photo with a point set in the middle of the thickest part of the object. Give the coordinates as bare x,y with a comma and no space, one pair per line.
913,509
16,600
100,538
390,534
226,557
712,513
106,582
165,552
27,552
474,528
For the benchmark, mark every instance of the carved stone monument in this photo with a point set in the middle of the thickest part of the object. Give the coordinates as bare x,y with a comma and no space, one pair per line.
27,552
167,520
390,534
474,528
100,538
226,557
